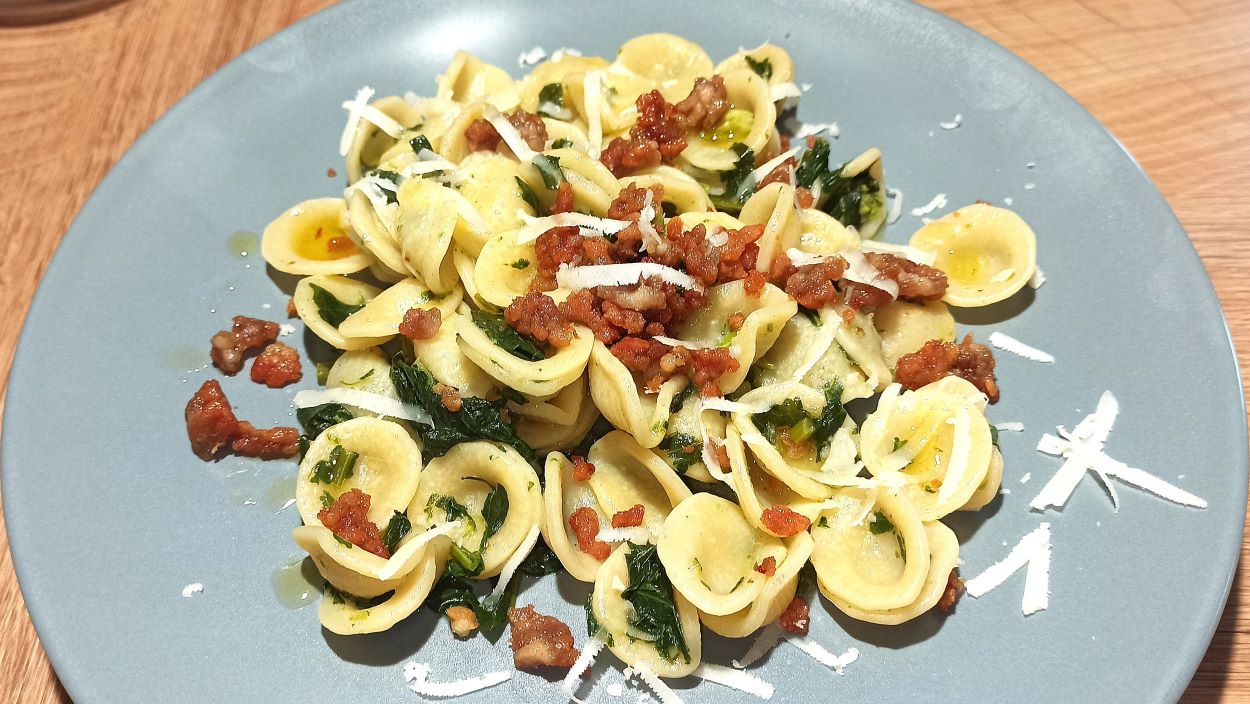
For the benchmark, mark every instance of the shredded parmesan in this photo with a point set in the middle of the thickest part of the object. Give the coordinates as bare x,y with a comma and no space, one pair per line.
781,91
622,275
592,95
417,674
829,323
953,123
192,589
1032,551
799,258
559,54
510,135
655,684
646,223
1014,427
1003,275
939,201
768,166
896,205
915,254
1010,344
768,638
531,57
635,534
589,652
961,449
719,403
374,403
428,166
815,128
860,271
734,679
354,108
510,567
817,652
286,329
1038,278
597,226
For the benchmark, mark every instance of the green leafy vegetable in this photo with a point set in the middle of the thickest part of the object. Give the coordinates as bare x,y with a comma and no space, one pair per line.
343,541
819,429
502,334
549,168
528,195
852,200
763,69
326,500
392,196
786,414
395,530
453,510
813,165
994,435
323,372
419,143
510,394
651,594
898,445
880,523
521,263
738,183
341,597
593,628
551,101
331,309
679,398
541,561
561,143
465,563
316,419
831,417
477,419
813,316
683,451
494,511
335,469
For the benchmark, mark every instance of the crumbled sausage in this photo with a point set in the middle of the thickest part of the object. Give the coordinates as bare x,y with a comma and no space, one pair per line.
767,567
564,198
291,311
727,255
916,282
582,307
531,128
348,518
463,621
539,640
735,321
276,366
624,156
630,517
421,323
804,197
210,421
481,135
449,396
265,443
780,174
585,524
812,285
706,105
660,132
660,122
796,618
582,470
784,522
537,316
969,360
553,249
246,334
950,596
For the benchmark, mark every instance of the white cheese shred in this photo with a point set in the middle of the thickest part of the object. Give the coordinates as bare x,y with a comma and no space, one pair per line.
589,652
192,589
768,166
655,684
939,201
514,562
674,342
354,108
768,639
953,124
1033,552
734,679
896,205
510,135
636,534
825,337
1010,344
1038,278
720,403
622,275
781,91
817,652
592,92
417,674
915,254
286,329
535,227
1013,427
815,128
860,271
531,57
374,403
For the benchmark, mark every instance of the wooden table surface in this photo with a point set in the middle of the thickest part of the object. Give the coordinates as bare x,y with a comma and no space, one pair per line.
1170,78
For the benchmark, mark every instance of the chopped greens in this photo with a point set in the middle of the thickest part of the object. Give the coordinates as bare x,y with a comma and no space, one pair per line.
453,510
477,419
786,414
337,468
316,419
851,200
737,182
551,101
331,309
502,334
679,398
683,451
898,445
813,165
528,195
813,316
880,523
398,527
651,594
549,168
419,143
326,500
521,263
494,510
803,425
541,561
994,434
561,143
763,69
831,417
392,196
593,629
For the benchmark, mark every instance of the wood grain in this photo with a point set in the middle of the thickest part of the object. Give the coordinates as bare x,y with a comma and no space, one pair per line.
1171,79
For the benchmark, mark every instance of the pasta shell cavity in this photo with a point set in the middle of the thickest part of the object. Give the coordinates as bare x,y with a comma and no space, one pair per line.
347,616
824,350
504,269
539,379
467,474
593,185
554,73
488,183
988,489
382,315
320,302
374,232
773,599
444,359
943,558
904,327
872,210
937,438
821,233
617,395
769,58
766,315
468,78
363,574
758,490
387,468
429,216
612,612
672,63
370,142
988,253
750,120
871,549
710,553
365,370
560,421
312,238
810,471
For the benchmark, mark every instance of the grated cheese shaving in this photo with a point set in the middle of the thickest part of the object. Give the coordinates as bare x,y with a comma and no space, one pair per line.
772,163
589,652
622,275
374,403
616,689
427,166
768,638
829,323
674,342
939,201
719,403
961,449
514,562
1025,479
1014,427
655,684
592,95
896,205
1038,278
781,91
635,534
953,124
192,589
531,57
510,135
734,679
646,223
915,254
417,674
798,257
1010,344
593,226
815,128
286,329
817,652
354,108
860,271
1032,551
559,54
1003,275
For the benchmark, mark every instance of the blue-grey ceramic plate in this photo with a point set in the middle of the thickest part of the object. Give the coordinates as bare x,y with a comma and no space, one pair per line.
110,515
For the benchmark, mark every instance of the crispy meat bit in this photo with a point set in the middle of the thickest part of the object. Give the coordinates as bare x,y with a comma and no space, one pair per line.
582,470
277,366
784,522
564,198
796,618
481,135
531,128
659,134
706,105
539,640
916,282
630,517
640,355
245,335
804,197
462,620
661,122
954,587
969,360
421,323
780,174
813,285
265,443
537,316
553,249
348,518
768,567
291,312
735,321
725,255
585,524
449,396
582,307
210,421
624,156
